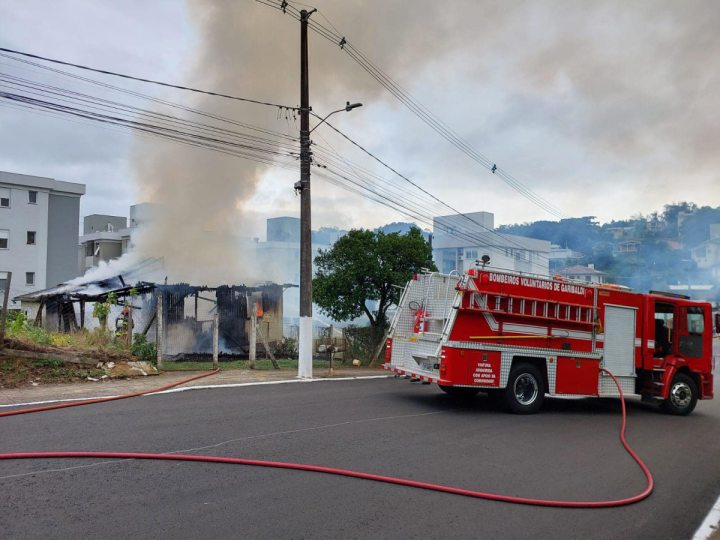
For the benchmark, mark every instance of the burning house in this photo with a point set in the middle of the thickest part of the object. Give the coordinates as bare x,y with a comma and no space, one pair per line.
180,318
189,313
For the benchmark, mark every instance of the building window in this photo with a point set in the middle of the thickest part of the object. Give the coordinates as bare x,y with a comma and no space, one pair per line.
29,278
31,238
3,282
4,198
471,254
88,249
32,197
4,238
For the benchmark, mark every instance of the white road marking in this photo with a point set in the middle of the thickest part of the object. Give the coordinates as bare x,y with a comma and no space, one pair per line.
710,525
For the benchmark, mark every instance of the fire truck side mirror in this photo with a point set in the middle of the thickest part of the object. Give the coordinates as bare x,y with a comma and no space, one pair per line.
717,323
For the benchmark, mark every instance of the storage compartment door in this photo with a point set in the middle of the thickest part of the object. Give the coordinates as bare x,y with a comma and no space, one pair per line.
577,376
619,356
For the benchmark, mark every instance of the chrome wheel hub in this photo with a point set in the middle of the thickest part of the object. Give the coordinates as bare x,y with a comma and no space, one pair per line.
526,389
680,395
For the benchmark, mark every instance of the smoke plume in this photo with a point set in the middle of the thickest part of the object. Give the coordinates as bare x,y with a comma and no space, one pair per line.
624,87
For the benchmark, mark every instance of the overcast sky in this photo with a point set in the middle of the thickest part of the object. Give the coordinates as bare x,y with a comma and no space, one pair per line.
602,108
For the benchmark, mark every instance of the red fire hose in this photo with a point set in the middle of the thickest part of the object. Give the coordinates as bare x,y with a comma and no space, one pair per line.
356,474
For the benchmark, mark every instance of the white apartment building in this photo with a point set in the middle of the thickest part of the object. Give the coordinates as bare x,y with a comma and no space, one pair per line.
461,240
107,237
39,220
104,238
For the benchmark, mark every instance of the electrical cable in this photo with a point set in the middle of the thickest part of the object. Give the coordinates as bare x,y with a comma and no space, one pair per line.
364,475
97,103
217,145
316,26
241,149
422,112
504,239
151,98
141,79
213,143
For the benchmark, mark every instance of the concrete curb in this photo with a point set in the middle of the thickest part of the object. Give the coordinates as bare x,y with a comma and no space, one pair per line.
82,391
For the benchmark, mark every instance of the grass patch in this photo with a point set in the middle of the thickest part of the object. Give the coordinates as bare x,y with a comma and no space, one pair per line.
24,331
15,372
49,363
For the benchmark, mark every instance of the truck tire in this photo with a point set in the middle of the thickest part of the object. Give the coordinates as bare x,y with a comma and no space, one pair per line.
525,391
682,397
461,392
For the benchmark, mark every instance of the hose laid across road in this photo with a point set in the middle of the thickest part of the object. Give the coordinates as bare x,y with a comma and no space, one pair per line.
345,472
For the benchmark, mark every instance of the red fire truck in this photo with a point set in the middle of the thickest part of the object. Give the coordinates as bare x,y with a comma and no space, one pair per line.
521,337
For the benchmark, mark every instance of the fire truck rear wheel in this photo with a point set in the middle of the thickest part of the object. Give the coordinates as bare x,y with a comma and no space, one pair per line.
525,391
683,396
459,391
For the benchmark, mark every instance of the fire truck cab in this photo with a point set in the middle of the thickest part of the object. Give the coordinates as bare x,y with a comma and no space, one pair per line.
521,337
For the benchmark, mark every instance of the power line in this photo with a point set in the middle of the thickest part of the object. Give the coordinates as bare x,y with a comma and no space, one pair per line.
141,79
154,99
174,134
414,184
77,98
238,149
416,206
91,108
416,107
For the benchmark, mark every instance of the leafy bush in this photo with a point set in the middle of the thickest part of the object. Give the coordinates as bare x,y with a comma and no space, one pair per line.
101,310
144,349
21,329
16,323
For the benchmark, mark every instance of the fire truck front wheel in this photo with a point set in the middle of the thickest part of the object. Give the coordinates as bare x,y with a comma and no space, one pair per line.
525,391
683,396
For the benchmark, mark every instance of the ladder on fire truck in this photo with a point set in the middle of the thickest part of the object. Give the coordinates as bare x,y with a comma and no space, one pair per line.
519,306
454,308
448,309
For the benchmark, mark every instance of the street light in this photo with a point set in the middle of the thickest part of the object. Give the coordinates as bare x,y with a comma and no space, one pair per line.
305,334
348,107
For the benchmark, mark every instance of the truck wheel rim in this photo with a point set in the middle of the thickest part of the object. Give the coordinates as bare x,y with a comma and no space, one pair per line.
526,389
680,395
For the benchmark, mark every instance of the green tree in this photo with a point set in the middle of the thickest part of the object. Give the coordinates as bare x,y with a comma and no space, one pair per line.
362,267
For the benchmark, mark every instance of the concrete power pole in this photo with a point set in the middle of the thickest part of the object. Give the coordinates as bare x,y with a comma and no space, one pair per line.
305,334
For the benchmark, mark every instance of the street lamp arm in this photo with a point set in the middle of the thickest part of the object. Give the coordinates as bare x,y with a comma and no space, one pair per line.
348,107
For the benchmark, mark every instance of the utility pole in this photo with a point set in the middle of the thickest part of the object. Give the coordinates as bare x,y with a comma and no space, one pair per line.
305,334
305,330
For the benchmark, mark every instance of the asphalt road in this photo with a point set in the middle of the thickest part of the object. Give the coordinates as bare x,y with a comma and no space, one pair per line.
568,451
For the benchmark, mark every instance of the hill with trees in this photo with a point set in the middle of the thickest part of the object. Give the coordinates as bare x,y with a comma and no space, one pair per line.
643,252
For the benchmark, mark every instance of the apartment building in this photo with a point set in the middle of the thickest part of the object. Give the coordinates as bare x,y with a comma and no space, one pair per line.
104,238
460,241
39,219
107,237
